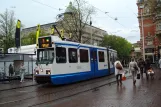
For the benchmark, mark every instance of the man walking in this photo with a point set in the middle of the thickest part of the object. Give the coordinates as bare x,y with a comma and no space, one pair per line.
141,64
133,67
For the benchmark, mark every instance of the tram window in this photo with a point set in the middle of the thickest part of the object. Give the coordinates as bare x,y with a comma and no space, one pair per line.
60,55
83,55
72,55
101,56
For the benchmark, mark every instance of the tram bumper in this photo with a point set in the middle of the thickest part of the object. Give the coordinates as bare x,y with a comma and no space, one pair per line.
41,79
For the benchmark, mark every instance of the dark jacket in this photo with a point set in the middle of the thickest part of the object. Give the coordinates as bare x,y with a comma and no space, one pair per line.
147,64
11,69
141,63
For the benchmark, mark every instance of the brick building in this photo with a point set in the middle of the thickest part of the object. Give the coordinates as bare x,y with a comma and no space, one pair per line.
150,30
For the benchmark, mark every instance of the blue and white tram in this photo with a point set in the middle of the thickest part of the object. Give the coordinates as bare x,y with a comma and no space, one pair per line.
64,62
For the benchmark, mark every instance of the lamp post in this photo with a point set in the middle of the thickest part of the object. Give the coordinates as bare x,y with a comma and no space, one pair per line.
91,32
132,52
141,7
108,57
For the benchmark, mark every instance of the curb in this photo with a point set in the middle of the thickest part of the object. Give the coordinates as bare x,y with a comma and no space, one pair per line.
18,87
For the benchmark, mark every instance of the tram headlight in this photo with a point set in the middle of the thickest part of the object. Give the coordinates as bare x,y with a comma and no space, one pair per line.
41,70
48,72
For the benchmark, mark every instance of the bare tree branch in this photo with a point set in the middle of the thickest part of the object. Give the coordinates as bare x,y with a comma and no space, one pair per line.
76,22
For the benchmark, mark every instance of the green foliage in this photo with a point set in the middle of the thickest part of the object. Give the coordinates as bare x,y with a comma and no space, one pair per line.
7,29
121,45
31,37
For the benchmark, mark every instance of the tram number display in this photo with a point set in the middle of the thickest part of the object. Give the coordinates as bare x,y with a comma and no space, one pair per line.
45,42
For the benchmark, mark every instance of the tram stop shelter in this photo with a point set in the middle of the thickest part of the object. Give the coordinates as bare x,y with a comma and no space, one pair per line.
15,60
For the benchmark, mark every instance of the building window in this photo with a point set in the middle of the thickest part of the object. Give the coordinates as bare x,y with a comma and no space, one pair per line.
60,55
149,50
101,56
83,55
158,26
72,55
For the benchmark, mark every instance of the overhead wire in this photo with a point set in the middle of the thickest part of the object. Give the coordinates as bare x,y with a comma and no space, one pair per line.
46,5
132,11
115,19
108,15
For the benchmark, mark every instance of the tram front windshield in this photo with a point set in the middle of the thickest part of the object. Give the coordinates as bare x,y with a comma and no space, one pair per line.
45,56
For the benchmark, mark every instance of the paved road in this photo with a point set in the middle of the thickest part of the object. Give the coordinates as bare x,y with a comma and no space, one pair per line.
43,94
100,92
146,93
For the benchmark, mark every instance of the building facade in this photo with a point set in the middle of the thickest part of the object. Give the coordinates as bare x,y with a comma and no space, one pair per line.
70,21
92,35
150,28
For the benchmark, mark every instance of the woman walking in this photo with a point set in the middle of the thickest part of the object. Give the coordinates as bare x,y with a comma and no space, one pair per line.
133,68
118,72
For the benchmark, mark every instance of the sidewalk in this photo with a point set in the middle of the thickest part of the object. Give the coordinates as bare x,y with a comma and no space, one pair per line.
146,93
16,84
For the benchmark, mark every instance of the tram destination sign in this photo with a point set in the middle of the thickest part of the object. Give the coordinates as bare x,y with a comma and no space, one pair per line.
45,42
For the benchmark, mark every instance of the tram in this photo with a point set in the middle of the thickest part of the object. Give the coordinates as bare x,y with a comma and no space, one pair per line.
64,62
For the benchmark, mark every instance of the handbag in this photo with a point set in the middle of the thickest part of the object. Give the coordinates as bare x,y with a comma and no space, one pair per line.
136,68
123,78
138,76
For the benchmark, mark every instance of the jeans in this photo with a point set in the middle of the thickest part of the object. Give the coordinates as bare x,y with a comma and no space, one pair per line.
117,78
134,75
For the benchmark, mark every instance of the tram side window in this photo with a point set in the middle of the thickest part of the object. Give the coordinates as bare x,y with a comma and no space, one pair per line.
101,56
60,55
83,55
72,55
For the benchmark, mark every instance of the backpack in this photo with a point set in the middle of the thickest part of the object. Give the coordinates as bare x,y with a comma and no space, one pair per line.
118,66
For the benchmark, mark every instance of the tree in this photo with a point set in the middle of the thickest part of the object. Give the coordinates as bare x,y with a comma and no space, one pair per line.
121,45
75,19
7,29
31,37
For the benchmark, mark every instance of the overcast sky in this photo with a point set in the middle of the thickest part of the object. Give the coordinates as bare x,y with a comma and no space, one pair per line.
31,13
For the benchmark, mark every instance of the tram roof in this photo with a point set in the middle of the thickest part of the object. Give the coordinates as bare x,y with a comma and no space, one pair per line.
57,40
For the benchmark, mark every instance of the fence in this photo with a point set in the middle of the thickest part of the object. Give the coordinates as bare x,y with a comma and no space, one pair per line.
10,58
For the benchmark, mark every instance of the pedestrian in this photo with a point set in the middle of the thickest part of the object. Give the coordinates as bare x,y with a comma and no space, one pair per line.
133,68
147,67
22,71
11,70
119,71
141,64
160,63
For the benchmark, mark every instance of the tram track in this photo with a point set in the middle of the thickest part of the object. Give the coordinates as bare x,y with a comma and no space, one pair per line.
95,88
63,89
70,95
18,87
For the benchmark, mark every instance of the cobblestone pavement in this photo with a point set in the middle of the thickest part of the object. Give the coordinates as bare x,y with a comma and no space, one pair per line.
6,85
146,93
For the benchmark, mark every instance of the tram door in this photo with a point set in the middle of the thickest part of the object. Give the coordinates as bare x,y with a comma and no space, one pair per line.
94,61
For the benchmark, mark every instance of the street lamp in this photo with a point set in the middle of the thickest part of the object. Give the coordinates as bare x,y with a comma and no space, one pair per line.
91,32
142,7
